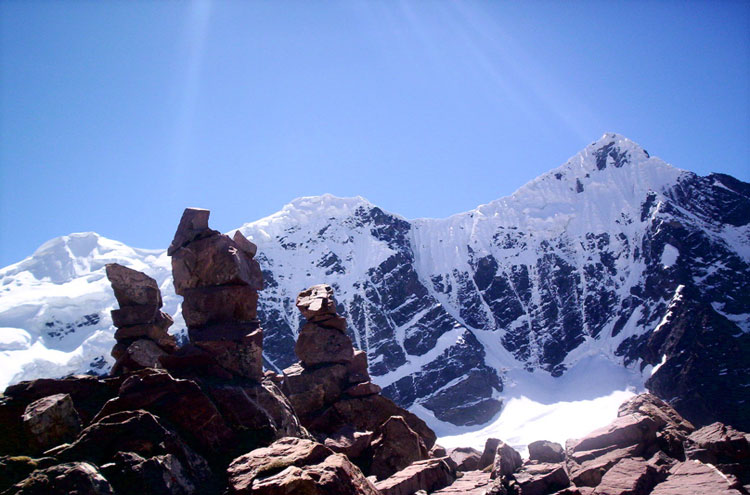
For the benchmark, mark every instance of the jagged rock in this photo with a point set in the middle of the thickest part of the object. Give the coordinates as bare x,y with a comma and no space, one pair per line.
244,244
193,225
471,483
673,429
50,421
133,288
80,478
261,462
320,345
723,447
336,475
316,302
241,355
587,468
349,442
221,303
16,468
143,353
630,477
192,362
541,479
546,451
137,315
394,447
438,451
293,465
157,449
489,452
181,402
428,475
366,414
466,458
633,429
696,478
89,394
507,461
149,330
356,369
363,389
312,389
212,261
258,411
131,474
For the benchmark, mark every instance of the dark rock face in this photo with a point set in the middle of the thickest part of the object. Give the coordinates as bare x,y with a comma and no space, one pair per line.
706,372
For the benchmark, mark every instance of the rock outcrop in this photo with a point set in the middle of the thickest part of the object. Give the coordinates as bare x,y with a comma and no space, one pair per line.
294,465
141,335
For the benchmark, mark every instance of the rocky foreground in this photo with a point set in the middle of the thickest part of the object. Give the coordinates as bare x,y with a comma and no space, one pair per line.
203,418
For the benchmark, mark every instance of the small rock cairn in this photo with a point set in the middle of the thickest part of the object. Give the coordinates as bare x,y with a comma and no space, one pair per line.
141,334
219,280
328,366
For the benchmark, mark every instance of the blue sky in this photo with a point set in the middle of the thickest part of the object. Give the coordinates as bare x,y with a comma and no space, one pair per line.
114,116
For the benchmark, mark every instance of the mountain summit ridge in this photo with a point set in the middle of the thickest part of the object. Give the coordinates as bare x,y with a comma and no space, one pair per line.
580,262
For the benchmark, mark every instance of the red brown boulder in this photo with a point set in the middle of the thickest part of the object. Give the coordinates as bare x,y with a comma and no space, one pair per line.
466,458
50,421
507,461
428,475
546,451
630,476
696,478
293,465
133,288
317,302
394,447
320,345
542,478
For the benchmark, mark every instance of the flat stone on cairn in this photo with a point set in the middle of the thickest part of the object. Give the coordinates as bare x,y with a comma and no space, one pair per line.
141,335
219,280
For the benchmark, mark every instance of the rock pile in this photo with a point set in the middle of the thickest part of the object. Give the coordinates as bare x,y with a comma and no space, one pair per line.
331,392
219,280
648,449
141,334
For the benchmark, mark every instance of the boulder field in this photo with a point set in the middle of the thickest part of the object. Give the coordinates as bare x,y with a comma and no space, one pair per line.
204,418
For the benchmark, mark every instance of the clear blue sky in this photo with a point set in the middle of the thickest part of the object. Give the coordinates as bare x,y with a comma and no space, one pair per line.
114,116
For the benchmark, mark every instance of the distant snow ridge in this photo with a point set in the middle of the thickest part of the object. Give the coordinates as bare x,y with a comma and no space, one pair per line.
457,315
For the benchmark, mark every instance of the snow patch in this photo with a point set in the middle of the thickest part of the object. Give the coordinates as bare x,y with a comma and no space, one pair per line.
669,255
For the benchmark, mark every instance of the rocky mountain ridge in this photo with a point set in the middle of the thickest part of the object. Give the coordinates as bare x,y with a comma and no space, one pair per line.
590,259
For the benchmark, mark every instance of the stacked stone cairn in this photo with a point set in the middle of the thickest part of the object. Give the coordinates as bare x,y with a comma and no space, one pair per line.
219,280
331,392
141,335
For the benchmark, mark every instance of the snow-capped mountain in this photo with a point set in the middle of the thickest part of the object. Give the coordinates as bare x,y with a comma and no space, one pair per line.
614,257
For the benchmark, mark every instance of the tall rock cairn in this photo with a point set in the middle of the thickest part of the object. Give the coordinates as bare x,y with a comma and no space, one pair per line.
141,334
219,281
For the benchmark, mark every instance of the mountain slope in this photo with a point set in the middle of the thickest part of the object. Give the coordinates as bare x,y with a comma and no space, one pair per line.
458,314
